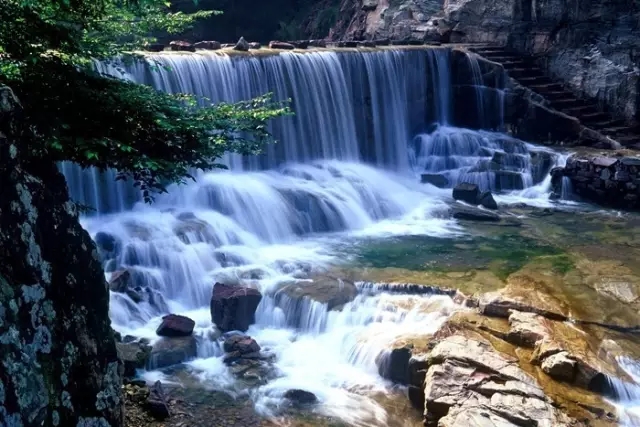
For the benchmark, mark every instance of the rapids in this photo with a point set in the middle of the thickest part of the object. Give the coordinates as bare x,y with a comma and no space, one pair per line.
347,166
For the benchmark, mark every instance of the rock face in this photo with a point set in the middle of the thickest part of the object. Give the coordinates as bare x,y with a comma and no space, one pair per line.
234,307
606,181
469,384
58,360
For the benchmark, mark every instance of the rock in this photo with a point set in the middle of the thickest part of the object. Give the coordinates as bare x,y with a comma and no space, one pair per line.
367,43
108,244
473,214
255,45
560,366
281,45
526,329
234,307
486,199
180,45
120,281
394,364
241,344
317,43
208,45
469,384
300,44
154,47
300,397
437,180
332,291
57,347
242,45
174,325
156,404
134,356
369,5
467,193
172,351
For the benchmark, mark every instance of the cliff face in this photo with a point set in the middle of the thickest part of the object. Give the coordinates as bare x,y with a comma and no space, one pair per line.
58,361
593,46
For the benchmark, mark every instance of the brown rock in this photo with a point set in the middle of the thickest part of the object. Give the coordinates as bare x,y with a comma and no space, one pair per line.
560,366
208,45
281,45
234,307
174,325
526,329
179,45
242,344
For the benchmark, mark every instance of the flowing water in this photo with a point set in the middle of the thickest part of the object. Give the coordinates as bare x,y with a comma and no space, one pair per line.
347,166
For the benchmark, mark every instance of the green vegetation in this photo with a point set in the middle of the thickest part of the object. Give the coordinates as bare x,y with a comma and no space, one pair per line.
71,112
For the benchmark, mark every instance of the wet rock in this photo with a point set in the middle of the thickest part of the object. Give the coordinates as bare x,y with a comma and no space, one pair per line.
156,404
234,307
467,193
208,45
174,325
473,214
154,47
560,366
526,329
300,44
317,43
134,356
172,351
435,179
108,245
332,291
281,45
369,5
120,281
242,344
180,45
242,45
300,397
486,199
255,45
394,364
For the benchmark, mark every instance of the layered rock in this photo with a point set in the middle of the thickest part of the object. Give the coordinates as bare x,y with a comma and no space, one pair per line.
58,360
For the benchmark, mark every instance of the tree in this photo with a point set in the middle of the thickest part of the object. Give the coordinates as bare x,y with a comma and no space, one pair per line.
71,112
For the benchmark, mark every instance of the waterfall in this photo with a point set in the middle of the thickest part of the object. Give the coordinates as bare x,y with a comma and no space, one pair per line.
567,189
627,394
478,84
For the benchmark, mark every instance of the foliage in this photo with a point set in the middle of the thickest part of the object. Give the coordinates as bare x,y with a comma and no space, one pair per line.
47,52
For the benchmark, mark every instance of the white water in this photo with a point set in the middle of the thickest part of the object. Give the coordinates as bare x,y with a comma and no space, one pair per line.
336,175
627,393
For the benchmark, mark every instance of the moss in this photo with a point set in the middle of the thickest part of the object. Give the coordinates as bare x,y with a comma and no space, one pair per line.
92,422
109,397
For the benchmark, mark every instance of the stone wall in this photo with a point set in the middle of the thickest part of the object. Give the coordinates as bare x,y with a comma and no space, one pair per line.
608,181
58,360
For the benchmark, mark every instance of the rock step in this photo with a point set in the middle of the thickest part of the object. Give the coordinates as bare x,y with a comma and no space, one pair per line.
520,73
616,130
563,103
528,81
559,94
593,118
606,124
501,58
543,89
581,110
630,141
511,65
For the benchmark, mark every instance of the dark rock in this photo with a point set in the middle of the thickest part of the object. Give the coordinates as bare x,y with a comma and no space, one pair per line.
106,242
234,307
57,347
486,199
435,179
366,43
241,344
416,397
369,5
228,45
281,45
242,45
208,45
317,43
394,364
156,404
174,325
300,44
332,291
348,44
255,45
154,47
134,356
473,214
179,45
467,193
300,397
172,351
382,42
120,281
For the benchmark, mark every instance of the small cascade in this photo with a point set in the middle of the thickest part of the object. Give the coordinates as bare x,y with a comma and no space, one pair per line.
478,84
566,189
626,395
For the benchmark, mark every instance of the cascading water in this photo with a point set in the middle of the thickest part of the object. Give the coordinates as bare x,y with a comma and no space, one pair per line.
281,217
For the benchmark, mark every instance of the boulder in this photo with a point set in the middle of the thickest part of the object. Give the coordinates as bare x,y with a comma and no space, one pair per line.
470,213
394,364
120,281
180,45
208,45
317,43
255,45
300,44
154,47
281,45
300,397
526,329
242,344
467,193
435,179
134,356
369,5
172,351
486,200
174,325
560,366
156,404
234,307
242,45
325,289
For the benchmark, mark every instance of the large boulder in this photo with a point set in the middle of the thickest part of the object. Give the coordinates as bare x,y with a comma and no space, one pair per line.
58,359
172,351
181,45
174,325
234,307
134,356
466,192
208,45
242,45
